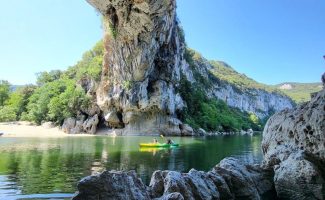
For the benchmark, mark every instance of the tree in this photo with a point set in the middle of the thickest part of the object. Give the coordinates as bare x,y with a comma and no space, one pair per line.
56,101
46,77
38,102
67,104
18,99
90,66
4,91
7,114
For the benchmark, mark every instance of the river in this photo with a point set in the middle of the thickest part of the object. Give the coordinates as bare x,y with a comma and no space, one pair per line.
50,168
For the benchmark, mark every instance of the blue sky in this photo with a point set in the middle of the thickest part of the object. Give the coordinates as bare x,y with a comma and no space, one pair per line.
270,41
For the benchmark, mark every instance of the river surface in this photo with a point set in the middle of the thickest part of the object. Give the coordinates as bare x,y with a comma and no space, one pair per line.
50,168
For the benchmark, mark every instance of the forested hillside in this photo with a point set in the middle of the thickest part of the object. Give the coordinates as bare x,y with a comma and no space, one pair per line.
299,92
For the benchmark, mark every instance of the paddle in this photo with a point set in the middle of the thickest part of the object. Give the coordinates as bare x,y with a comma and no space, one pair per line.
162,137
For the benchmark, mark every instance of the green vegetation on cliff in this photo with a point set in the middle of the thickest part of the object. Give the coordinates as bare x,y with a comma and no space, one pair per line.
225,72
57,95
209,113
213,114
299,92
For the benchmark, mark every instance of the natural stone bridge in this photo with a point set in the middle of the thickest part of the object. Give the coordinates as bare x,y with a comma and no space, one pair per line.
142,64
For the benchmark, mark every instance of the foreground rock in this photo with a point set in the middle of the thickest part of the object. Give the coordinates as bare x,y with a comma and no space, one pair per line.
228,180
294,146
112,185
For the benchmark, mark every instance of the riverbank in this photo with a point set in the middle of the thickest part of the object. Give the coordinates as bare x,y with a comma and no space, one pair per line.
28,129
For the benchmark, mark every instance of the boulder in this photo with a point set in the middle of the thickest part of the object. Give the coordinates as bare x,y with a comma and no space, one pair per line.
221,184
294,147
173,196
90,125
201,132
78,129
48,125
80,125
298,178
113,119
229,180
246,181
186,130
68,125
250,132
112,185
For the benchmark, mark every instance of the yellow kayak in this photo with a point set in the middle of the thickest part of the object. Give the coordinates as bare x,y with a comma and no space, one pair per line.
158,145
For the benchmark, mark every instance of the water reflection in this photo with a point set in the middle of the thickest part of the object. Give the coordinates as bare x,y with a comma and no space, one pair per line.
54,166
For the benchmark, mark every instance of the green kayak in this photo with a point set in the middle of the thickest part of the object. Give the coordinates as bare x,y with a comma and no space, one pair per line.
158,145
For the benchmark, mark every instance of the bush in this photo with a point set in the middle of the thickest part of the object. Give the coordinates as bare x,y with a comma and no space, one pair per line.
56,101
7,114
67,104
18,99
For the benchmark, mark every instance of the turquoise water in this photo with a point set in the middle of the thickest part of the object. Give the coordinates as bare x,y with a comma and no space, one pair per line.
49,168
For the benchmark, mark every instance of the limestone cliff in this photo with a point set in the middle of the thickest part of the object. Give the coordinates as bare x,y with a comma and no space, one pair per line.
294,146
250,97
143,66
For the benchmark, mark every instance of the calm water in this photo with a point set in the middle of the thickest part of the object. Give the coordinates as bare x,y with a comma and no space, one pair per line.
34,168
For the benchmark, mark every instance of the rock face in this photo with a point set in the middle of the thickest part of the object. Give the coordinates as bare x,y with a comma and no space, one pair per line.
294,146
228,180
260,102
257,101
143,66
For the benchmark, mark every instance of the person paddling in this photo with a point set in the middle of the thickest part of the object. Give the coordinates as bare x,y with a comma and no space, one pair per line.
170,141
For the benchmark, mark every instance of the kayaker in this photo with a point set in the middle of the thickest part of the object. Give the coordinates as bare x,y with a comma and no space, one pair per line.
169,141
155,141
